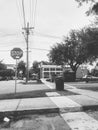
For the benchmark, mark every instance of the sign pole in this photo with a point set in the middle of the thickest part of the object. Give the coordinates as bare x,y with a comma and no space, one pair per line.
16,77
16,53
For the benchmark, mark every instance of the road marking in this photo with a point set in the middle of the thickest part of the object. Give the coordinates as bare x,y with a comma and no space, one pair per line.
80,121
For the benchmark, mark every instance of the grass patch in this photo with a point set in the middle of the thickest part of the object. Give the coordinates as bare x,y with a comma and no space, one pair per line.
34,94
29,94
66,93
90,88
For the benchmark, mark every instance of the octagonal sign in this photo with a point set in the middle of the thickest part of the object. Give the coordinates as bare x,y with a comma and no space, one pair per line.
16,53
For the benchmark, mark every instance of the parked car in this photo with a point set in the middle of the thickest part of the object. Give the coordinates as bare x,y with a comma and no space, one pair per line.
88,78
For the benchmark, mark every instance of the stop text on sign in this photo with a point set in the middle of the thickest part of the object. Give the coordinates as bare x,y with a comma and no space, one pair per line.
16,53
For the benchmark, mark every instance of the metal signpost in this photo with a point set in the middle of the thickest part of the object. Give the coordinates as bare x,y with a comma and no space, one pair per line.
16,54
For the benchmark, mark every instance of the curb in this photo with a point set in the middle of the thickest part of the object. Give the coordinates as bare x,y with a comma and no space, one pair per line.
14,114
24,112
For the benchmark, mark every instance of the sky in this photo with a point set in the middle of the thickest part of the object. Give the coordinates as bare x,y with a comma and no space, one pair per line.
51,19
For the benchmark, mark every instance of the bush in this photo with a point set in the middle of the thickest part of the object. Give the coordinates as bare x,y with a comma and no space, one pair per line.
7,73
94,72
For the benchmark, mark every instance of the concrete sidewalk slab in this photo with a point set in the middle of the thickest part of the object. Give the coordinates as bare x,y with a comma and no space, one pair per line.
9,105
85,101
66,104
36,104
80,121
48,84
52,94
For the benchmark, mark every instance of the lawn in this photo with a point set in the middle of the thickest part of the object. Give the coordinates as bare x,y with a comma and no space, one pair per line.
33,94
93,86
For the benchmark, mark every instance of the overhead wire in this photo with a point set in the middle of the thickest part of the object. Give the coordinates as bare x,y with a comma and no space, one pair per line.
23,13
18,9
34,13
40,49
30,2
25,50
45,35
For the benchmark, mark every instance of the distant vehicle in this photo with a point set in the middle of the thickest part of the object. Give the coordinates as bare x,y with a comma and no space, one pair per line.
88,78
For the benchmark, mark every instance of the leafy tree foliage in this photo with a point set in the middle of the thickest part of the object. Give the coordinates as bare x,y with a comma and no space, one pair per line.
7,73
2,66
77,48
93,8
35,67
21,67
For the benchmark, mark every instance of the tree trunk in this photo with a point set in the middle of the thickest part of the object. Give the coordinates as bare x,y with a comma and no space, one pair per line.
74,69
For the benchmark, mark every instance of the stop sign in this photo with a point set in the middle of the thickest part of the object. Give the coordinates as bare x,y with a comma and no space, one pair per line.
16,53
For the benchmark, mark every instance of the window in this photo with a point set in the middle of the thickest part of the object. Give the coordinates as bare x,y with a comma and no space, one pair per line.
58,69
52,69
46,69
46,74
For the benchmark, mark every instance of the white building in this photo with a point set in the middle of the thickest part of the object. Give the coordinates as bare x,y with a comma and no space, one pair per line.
46,71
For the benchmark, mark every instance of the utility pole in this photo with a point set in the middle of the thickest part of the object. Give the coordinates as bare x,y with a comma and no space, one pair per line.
27,32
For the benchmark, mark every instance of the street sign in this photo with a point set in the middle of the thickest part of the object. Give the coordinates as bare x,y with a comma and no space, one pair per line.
16,53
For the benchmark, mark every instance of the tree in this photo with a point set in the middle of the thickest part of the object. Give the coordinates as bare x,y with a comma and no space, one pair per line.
21,67
93,8
75,49
35,67
91,40
2,66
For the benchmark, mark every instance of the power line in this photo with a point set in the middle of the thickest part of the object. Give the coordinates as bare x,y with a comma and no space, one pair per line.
40,49
45,35
17,4
34,14
29,48
23,13
30,12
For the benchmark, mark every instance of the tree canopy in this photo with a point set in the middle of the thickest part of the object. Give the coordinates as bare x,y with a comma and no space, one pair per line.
2,66
35,67
79,47
93,8
21,67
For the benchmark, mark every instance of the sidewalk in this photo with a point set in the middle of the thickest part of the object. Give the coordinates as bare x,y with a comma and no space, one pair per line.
69,108
84,100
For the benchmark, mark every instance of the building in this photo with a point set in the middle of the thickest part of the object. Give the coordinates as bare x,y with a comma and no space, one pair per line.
46,71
